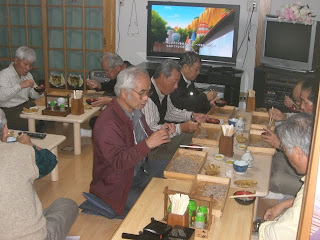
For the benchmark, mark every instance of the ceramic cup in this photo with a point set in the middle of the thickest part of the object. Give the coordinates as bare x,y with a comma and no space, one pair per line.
232,121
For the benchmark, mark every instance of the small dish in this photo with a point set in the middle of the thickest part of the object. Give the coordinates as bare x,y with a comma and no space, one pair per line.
229,162
40,89
213,120
240,166
218,156
241,146
244,200
31,110
220,103
91,100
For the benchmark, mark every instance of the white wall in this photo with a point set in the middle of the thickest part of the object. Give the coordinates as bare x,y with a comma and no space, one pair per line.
133,48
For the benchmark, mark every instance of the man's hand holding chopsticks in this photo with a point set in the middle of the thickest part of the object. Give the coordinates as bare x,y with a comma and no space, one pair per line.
271,138
277,115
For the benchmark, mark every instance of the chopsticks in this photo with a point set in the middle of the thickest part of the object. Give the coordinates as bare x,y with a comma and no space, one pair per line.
189,146
270,120
228,130
77,94
293,102
243,196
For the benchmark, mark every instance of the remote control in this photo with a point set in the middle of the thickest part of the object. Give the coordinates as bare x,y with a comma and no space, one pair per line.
35,134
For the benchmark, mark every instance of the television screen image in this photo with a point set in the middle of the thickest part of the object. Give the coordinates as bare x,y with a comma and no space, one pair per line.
211,30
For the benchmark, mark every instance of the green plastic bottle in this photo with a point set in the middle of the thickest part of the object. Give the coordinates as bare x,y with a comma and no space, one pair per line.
192,207
199,221
204,210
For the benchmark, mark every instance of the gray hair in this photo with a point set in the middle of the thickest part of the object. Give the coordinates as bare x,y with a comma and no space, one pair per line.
112,59
166,68
127,79
3,122
296,131
27,53
189,58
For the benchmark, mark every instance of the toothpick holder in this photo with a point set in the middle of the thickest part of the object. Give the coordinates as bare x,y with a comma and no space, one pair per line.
180,220
226,146
77,107
251,104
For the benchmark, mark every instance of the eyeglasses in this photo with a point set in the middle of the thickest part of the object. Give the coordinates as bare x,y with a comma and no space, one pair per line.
143,94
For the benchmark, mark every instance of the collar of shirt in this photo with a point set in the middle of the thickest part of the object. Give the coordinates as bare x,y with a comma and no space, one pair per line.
134,116
187,81
160,95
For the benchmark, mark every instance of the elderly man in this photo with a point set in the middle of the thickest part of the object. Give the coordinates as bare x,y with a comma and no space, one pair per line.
121,143
112,64
284,178
159,109
186,96
282,219
16,87
24,218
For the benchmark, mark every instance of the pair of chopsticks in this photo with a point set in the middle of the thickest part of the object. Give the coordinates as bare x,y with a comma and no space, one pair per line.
293,102
228,130
270,120
244,196
189,146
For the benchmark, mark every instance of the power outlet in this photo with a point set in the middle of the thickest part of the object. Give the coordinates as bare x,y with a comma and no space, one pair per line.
121,2
243,96
252,4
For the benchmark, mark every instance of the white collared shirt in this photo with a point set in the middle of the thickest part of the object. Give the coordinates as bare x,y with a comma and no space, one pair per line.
151,112
188,82
11,94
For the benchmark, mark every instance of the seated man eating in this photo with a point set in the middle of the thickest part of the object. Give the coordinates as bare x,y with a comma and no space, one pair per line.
121,143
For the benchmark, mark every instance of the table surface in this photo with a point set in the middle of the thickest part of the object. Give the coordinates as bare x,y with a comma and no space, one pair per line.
68,119
235,223
49,142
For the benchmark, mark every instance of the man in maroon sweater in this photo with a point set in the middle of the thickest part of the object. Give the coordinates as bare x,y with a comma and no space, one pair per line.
121,143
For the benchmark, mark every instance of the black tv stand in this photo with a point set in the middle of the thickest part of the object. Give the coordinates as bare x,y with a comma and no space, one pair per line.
229,77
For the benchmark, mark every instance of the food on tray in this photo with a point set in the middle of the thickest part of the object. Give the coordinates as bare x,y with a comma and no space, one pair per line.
241,139
30,110
186,163
245,183
213,120
217,191
261,110
220,103
57,80
212,170
75,81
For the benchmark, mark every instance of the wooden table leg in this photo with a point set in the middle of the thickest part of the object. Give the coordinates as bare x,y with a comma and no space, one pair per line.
55,171
31,125
77,138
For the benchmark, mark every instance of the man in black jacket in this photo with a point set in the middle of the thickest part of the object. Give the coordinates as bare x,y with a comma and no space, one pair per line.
186,96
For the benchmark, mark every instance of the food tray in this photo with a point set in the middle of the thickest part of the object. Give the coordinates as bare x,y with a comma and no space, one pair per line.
260,120
221,113
219,184
207,134
257,145
48,111
199,159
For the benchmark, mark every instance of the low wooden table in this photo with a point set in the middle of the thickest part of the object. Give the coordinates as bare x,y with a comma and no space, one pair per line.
75,119
50,142
236,222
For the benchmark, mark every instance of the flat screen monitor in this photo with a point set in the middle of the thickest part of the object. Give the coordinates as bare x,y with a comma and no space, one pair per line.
209,29
293,46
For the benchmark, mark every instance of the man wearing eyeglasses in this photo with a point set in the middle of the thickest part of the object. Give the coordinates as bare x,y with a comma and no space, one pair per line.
121,142
159,109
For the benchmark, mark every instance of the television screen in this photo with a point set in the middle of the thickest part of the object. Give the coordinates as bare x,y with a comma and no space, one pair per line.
292,46
288,41
211,30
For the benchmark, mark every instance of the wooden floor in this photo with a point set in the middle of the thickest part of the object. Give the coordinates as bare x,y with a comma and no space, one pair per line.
75,173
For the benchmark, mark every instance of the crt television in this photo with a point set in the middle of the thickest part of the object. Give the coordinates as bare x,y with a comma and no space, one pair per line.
209,29
292,46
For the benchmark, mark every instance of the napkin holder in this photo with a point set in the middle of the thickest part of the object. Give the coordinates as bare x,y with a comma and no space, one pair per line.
77,107
226,146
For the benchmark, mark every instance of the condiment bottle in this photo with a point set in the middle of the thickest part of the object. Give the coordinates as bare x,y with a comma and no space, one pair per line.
199,220
204,210
62,108
240,125
52,104
248,157
192,207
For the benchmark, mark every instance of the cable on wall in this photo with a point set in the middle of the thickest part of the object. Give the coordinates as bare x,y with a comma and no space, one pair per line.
133,28
118,29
